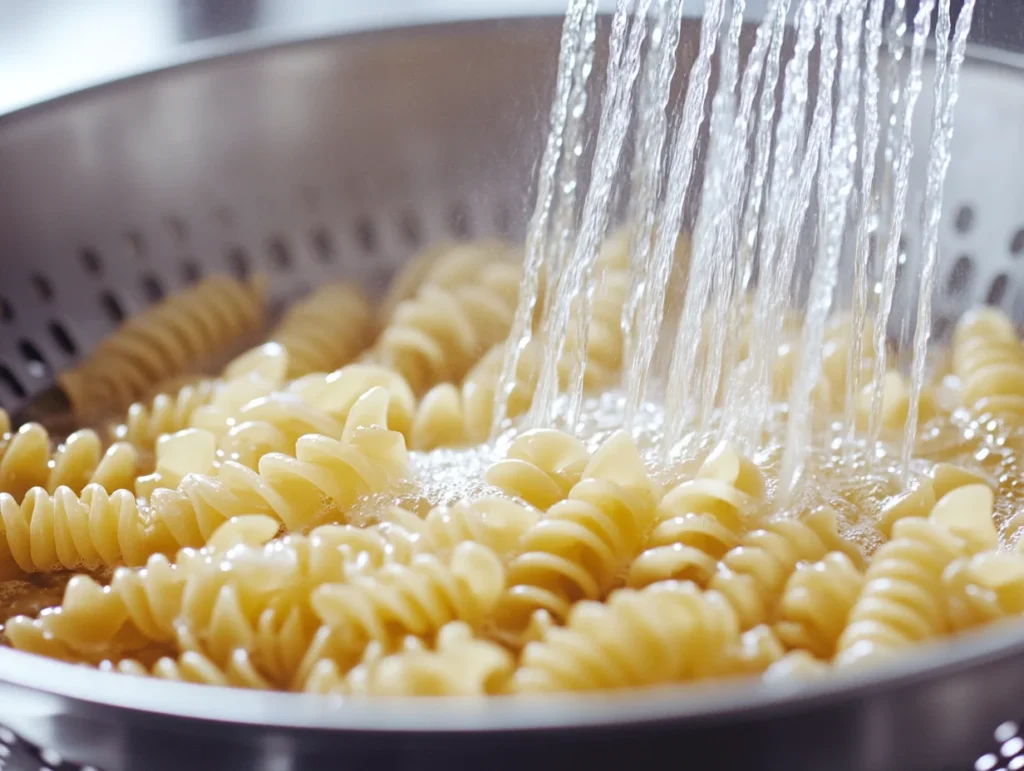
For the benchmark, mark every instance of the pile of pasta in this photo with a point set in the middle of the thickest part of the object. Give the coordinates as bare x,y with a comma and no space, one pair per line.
212,535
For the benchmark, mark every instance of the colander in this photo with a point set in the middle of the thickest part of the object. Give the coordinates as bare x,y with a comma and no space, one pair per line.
341,156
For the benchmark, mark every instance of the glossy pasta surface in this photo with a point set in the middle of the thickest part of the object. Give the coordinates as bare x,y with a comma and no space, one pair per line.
331,511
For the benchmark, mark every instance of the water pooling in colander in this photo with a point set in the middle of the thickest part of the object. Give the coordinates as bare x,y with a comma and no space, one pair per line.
698,456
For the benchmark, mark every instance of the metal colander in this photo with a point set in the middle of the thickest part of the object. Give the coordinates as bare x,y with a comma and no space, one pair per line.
342,156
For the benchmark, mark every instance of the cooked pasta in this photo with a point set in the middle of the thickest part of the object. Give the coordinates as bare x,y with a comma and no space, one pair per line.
901,602
753,574
699,521
416,599
541,467
816,603
336,514
26,461
458,664
182,333
438,334
326,330
579,549
667,632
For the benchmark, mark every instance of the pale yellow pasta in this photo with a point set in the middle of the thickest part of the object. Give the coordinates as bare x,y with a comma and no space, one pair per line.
437,335
182,333
26,461
816,603
166,413
580,548
667,632
324,476
326,330
440,420
540,467
700,520
985,588
496,523
480,387
988,359
417,599
752,574
755,651
795,666
458,664
902,601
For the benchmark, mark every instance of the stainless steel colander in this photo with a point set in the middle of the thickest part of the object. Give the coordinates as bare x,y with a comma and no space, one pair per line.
342,155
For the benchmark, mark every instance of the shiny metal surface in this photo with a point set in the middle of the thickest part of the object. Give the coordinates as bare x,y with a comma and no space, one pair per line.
351,152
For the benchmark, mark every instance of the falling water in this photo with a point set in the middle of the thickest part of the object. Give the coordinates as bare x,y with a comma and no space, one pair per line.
670,213
573,286
947,76
838,176
646,185
863,277
901,145
788,140
567,113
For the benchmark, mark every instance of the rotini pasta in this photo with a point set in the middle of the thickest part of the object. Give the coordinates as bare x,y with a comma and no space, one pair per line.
752,575
699,521
324,477
579,549
988,358
984,589
181,333
26,461
816,603
437,335
901,602
540,467
667,632
326,330
459,664
416,599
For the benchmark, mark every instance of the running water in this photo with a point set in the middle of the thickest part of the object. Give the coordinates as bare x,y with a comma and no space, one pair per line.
670,212
899,153
947,76
645,190
567,119
863,275
574,282
783,194
838,177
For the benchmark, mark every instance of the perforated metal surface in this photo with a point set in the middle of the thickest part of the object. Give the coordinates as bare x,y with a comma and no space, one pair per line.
321,159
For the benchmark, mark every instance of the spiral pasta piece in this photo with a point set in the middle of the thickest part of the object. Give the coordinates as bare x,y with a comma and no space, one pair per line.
416,599
186,330
580,548
166,413
440,420
988,359
753,574
192,667
326,330
755,651
446,264
816,603
437,335
26,462
317,404
796,665
494,522
699,521
901,602
984,589
667,632
323,478
459,664
540,467
481,384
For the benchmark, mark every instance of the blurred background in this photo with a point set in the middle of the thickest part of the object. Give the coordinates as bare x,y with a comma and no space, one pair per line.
48,47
